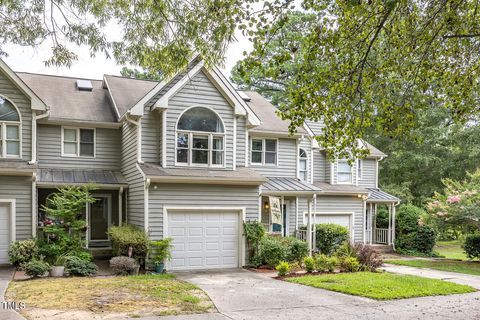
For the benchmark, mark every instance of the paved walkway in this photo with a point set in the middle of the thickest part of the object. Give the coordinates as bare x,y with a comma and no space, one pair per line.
460,278
5,277
240,294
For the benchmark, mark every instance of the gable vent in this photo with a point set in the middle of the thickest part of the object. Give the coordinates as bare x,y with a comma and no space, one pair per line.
84,85
244,96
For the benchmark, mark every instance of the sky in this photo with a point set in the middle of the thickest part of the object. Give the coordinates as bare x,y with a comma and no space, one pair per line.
27,59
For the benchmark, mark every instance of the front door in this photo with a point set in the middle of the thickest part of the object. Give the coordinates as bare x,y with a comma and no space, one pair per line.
99,218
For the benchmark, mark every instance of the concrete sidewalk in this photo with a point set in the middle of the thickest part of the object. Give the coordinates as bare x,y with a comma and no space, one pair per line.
460,278
6,275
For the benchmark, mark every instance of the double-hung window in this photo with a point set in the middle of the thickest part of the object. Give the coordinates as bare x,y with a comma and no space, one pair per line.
263,151
10,142
78,142
302,165
344,172
200,138
359,169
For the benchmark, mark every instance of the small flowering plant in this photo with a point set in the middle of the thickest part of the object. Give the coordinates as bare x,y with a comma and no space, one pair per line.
459,204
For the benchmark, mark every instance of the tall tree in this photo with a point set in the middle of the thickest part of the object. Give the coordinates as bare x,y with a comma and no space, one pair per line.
140,74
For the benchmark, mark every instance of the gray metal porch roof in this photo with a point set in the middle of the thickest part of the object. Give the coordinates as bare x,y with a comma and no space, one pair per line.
378,195
76,176
288,186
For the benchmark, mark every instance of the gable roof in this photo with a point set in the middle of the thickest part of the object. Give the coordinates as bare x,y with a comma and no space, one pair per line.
66,102
374,152
266,112
36,102
126,92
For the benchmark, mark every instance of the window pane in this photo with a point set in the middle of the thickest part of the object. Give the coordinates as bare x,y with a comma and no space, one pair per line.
303,175
217,157
182,140
270,157
86,135
13,133
86,149
70,135
200,142
70,148
200,156
182,155
303,165
344,177
217,143
302,153
8,111
257,145
256,157
200,119
1,147
13,148
344,167
270,145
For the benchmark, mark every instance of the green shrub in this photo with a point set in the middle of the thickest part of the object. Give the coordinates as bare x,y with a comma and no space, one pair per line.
76,266
296,249
294,267
422,240
309,264
329,237
127,236
123,265
36,268
283,268
321,263
162,250
349,264
272,251
254,233
472,246
21,252
369,258
345,250
332,263
407,218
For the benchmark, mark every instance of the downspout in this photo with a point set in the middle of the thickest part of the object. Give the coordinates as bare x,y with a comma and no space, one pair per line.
34,134
34,205
146,199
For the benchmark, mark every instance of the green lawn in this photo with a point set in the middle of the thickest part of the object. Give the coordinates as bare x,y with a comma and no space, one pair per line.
451,249
382,286
467,267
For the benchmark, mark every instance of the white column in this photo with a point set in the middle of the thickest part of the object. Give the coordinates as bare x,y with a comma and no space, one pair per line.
284,224
120,206
365,225
393,224
370,224
296,213
309,227
389,241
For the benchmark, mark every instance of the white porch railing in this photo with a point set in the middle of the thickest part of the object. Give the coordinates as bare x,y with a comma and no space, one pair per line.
302,235
381,236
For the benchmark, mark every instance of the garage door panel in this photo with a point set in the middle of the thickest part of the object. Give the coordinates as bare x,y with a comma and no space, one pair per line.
210,240
340,219
4,232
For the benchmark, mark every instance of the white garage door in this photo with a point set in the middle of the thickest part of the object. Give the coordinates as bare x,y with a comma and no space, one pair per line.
341,219
4,232
204,240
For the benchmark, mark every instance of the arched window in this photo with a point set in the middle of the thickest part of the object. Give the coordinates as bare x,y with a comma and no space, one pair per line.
302,165
200,138
9,130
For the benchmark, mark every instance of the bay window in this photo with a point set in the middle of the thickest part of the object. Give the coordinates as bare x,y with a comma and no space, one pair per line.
200,138
10,142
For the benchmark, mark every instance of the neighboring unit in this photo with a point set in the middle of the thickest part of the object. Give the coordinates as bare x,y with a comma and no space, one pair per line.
189,158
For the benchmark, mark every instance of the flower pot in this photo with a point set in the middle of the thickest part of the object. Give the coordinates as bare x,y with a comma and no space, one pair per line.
57,271
159,268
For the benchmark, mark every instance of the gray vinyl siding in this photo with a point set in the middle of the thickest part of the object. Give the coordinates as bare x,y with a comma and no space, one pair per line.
286,160
12,93
342,204
135,193
320,166
107,150
20,189
151,136
198,196
241,144
369,173
316,126
199,92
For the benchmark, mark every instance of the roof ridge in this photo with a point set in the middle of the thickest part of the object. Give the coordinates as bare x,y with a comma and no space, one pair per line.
130,78
56,76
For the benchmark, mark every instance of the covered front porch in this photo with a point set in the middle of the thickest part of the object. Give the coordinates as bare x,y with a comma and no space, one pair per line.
380,214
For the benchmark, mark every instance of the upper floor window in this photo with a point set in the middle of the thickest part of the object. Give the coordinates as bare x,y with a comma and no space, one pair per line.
78,142
344,172
10,144
302,165
360,168
200,138
264,151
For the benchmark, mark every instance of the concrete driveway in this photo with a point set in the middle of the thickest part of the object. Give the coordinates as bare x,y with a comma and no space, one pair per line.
241,294
5,277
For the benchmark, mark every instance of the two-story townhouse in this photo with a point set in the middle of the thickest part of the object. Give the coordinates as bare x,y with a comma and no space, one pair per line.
189,158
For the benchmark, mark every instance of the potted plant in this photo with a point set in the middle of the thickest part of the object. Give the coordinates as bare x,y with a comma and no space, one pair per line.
58,268
162,253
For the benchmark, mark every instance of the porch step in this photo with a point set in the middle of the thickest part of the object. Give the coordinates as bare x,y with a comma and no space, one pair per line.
101,253
382,248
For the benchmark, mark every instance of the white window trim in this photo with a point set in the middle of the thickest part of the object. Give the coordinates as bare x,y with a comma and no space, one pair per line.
77,129
210,149
351,172
359,169
3,128
13,218
263,152
306,165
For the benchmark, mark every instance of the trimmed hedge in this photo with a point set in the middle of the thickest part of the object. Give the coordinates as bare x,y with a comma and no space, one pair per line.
128,236
274,250
472,246
329,237
411,236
